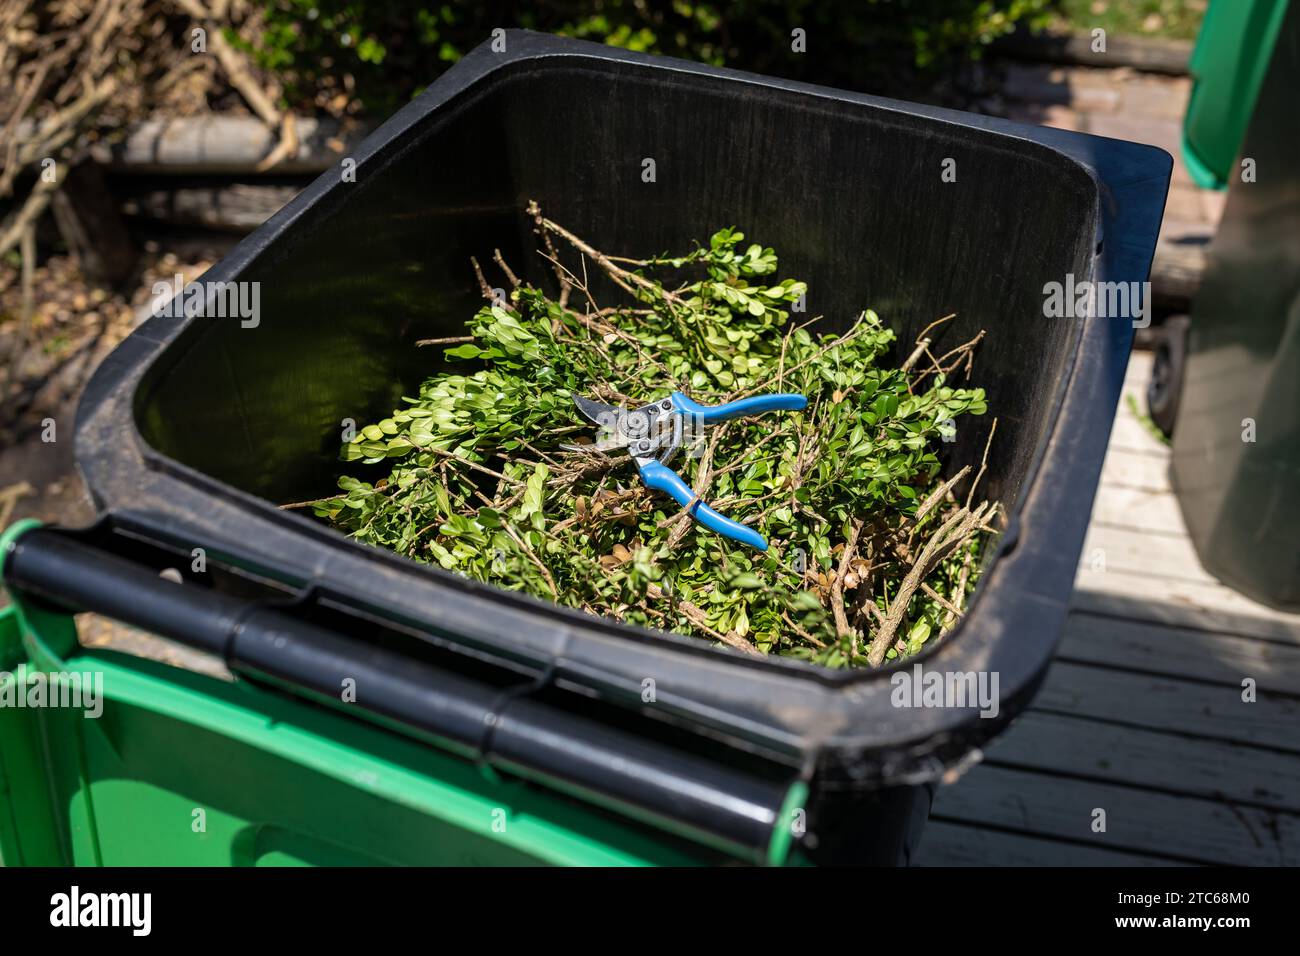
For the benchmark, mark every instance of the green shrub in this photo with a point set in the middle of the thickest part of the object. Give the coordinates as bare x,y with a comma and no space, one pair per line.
392,49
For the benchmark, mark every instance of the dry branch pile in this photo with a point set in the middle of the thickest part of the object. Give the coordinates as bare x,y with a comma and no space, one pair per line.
79,70
76,73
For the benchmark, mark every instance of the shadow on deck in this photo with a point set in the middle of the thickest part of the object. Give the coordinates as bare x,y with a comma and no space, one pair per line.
1143,714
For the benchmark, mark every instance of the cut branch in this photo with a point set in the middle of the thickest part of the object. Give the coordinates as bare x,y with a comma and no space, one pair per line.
957,528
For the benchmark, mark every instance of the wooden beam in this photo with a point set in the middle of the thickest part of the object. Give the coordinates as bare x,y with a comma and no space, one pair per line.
1149,55
1176,271
225,145
238,207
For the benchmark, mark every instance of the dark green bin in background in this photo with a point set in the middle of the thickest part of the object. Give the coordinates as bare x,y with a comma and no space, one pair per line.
1236,449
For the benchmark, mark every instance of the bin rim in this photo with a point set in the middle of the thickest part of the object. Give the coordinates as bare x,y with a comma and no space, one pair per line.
842,715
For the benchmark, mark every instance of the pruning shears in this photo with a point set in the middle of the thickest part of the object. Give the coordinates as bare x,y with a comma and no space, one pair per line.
652,435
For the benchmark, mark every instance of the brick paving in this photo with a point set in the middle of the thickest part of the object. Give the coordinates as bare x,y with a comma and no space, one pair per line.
1125,104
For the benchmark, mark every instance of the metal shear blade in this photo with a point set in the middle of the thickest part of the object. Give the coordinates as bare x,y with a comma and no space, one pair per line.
597,413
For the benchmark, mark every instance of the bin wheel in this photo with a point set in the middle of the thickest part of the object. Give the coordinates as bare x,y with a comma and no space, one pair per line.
1167,371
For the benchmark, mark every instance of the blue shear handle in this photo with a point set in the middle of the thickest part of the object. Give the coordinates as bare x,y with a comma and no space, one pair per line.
754,405
660,477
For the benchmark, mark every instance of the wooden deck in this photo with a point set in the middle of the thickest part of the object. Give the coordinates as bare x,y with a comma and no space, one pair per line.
1142,712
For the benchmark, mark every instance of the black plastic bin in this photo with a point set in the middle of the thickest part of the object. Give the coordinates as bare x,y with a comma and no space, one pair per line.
196,427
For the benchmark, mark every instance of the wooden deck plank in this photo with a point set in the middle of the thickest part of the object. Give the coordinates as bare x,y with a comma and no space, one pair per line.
1134,553
1181,652
1139,509
1138,371
946,843
1213,770
1176,827
1176,706
1196,604
1142,712
1129,434
1135,469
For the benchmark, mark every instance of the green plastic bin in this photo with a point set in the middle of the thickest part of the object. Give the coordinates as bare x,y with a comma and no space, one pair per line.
1232,54
182,769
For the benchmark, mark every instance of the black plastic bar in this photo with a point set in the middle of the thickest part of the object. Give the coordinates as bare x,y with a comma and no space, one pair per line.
77,577
703,800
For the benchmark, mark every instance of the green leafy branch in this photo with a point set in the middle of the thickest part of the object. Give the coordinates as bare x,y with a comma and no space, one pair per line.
871,552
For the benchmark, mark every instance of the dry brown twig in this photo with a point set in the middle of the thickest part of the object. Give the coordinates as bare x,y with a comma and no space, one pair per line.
963,354
984,462
697,617
539,227
37,201
9,499
959,595
955,530
74,62
77,62
239,73
940,600
621,277
501,262
447,340
933,499
923,342
286,148
837,587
